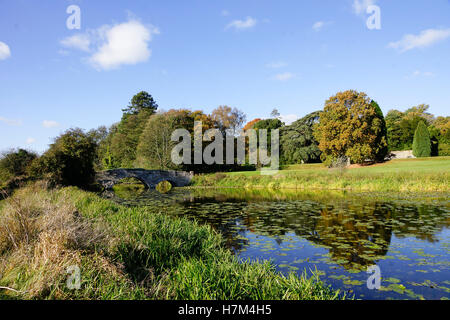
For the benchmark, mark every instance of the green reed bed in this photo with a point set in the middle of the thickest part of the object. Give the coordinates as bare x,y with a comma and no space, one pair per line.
127,253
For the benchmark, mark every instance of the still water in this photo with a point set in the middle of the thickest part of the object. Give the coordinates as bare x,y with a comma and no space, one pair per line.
338,235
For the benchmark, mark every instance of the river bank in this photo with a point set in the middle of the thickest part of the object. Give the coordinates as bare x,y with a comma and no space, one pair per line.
411,175
125,253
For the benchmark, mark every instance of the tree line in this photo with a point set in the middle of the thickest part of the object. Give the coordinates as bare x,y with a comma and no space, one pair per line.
350,127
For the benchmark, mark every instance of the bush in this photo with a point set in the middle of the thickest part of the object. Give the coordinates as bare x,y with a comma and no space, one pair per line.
444,149
15,163
70,160
164,186
422,142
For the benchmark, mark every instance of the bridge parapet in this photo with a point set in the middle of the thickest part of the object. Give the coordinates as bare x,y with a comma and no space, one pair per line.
150,178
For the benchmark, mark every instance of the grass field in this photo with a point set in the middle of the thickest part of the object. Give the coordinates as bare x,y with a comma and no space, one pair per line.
126,253
424,174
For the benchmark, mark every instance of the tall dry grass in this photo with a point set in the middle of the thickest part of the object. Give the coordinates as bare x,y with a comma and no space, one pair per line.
41,234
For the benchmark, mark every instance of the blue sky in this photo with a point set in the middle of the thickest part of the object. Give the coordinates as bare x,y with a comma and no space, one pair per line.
251,54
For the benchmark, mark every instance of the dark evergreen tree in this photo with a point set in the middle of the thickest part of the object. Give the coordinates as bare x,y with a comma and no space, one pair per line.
141,101
297,142
381,139
422,142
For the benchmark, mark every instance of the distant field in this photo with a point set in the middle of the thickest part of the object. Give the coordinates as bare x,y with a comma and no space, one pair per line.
424,174
435,164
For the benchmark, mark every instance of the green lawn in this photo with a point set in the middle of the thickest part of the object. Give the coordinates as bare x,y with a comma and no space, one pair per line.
424,174
435,164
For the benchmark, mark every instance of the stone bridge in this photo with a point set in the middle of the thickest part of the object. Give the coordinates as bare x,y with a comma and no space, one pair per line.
150,178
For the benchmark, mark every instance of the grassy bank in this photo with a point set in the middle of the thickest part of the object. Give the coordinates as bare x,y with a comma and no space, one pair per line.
125,253
412,175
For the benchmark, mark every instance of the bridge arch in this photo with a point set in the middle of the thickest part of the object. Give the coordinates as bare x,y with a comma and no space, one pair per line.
150,178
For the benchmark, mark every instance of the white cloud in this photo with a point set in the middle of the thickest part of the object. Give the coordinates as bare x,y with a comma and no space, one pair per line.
11,122
425,39
112,46
50,124
276,65
242,24
78,41
225,13
5,52
125,43
360,6
289,118
284,76
30,141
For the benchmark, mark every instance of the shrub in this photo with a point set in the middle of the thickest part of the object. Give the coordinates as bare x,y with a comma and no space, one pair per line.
164,186
70,159
422,142
444,149
14,163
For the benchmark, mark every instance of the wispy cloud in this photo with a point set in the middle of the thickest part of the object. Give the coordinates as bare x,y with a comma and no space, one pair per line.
360,6
5,52
78,41
11,122
225,13
425,39
125,43
319,25
50,124
284,76
248,23
418,73
276,64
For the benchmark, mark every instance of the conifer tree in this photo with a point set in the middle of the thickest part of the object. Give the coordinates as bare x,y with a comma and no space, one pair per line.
422,142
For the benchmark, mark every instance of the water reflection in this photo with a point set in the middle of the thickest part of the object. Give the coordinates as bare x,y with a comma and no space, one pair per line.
339,232
356,234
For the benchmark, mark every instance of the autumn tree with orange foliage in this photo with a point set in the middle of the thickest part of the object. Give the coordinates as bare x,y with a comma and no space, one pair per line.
251,124
351,125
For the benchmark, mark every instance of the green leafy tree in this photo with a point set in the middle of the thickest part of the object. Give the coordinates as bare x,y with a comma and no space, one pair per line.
100,137
155,145
297,142
422,142
401,126
69,160
394,130
14,163
442,124
121,149
351,126
269,124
